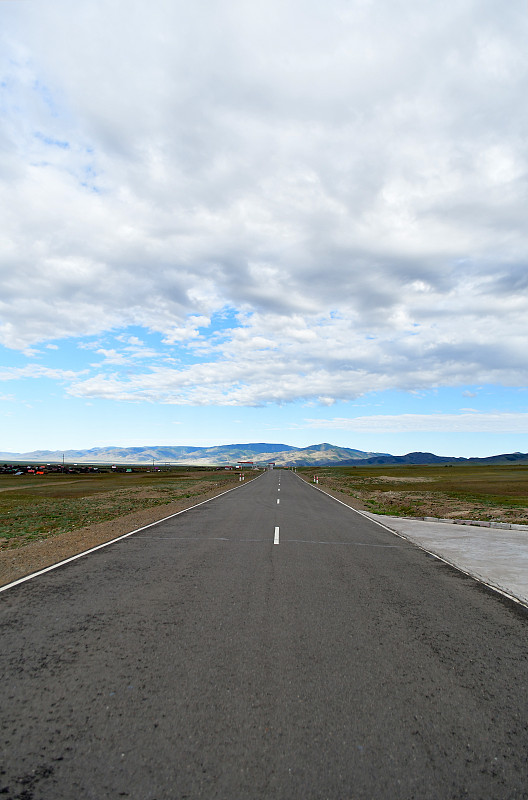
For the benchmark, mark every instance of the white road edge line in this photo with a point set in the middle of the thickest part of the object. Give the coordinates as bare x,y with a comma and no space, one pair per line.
424,549
118,539
276,539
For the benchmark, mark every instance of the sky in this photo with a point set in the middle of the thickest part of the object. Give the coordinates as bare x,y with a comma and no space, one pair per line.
292,221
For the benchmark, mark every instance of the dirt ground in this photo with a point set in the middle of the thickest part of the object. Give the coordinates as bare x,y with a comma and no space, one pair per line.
18,562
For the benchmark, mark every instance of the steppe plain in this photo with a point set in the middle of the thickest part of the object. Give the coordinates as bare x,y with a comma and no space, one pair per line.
47,518
481,493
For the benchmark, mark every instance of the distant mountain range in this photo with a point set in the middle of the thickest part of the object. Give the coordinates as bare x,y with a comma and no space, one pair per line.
282,454
430,458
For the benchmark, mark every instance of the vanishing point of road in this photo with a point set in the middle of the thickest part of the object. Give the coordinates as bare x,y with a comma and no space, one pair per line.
270,643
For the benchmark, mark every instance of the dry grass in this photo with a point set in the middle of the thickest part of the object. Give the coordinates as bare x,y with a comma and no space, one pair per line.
34,508
488,493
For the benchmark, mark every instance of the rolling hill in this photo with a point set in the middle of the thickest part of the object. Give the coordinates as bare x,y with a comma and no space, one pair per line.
324,454
281,454
430,458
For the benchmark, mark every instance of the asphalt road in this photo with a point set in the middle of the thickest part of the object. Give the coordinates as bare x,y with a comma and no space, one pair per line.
198,659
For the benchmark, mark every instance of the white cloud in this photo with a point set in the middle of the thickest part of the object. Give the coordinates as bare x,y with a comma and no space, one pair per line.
351,178
274,359
112,357
38,371
500,422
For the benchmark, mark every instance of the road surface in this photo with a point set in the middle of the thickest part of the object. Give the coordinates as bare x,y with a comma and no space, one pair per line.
270,643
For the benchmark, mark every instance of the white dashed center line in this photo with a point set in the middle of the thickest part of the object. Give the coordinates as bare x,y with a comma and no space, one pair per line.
276,539
278,501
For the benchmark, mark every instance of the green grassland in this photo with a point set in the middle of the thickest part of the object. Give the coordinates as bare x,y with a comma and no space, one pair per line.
34,507
482,492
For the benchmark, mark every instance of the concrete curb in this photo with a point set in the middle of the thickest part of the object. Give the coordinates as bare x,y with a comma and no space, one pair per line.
510,526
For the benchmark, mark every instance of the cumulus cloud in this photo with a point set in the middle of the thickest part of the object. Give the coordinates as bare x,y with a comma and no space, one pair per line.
350,180
277,359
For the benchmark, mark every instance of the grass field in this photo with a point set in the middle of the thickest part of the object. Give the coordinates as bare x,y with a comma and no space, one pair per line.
488,493
37,507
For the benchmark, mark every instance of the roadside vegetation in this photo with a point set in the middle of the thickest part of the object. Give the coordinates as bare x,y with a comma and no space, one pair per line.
36,507
486,493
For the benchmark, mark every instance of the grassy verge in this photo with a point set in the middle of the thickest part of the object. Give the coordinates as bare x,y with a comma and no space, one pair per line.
43,506
487,493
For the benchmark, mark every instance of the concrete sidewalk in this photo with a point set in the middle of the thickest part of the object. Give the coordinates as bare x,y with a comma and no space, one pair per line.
497,557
